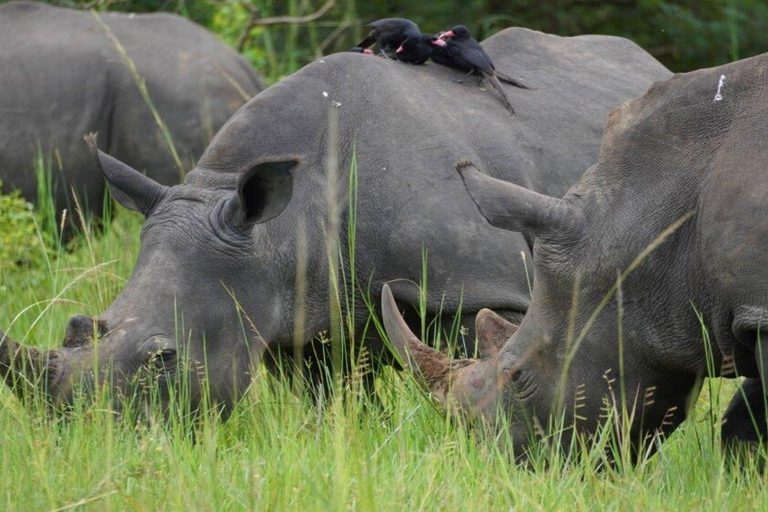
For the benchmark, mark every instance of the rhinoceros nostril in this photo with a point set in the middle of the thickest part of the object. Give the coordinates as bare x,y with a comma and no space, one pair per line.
103,328
81,330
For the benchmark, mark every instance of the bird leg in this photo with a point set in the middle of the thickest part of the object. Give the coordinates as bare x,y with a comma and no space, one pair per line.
463,79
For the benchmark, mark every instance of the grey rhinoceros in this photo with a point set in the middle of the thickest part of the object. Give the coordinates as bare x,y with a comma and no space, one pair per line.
666,229
236,258
62,77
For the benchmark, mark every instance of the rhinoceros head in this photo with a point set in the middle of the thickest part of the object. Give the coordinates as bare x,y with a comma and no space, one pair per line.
568,366
179,316
512,378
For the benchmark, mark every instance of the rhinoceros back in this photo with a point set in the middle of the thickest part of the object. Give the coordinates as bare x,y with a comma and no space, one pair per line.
406,127
63,77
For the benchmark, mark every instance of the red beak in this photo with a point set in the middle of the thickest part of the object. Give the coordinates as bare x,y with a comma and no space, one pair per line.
447,35
367,52
399,50
439,42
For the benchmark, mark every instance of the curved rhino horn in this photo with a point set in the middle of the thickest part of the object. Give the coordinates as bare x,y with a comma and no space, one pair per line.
471,384
25,368
430,365
509,206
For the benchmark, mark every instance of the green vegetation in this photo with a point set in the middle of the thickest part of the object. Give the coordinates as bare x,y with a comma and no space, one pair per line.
19,241
278,451
682,34
283,451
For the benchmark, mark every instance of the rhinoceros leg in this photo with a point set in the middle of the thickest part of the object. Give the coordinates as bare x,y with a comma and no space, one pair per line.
744,419
744,422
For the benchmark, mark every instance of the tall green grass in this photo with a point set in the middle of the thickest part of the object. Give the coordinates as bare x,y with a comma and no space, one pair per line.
141,85
281,450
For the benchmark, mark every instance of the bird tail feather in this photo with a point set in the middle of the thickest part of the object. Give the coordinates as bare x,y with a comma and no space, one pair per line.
511,81
367,42
497,85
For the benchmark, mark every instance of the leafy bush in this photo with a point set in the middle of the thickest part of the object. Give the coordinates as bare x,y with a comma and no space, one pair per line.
20,241
683,34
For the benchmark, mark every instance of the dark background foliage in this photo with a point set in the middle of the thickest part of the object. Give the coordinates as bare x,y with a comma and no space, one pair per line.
683,34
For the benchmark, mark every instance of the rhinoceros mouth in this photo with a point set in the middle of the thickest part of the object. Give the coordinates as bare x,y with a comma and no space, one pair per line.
22,366
56,365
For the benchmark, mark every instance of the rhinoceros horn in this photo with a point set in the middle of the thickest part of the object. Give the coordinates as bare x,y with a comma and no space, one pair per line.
471,384
515,208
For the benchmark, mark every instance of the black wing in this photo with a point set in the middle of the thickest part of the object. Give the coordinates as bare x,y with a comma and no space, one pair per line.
392,26
440,56
475,56
368,41
392,32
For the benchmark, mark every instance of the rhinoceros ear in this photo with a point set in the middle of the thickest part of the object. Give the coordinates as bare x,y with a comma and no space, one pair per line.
128,186
265,190
509,206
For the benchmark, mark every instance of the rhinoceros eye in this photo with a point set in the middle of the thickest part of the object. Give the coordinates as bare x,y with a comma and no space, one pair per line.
163,360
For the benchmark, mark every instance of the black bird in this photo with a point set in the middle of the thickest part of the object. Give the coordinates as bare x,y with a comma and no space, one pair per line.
463,32
416,50
400,39
391,34
439,55
466,54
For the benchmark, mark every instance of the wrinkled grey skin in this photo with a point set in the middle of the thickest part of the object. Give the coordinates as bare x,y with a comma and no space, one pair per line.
62,78
677,167
256,204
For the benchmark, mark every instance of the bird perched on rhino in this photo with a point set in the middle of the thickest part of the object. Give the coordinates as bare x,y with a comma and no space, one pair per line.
467,49
439,54
400,39
462,51
416,50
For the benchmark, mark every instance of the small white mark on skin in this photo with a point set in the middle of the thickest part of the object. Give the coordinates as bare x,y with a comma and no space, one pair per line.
325,94
336,104
719,96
